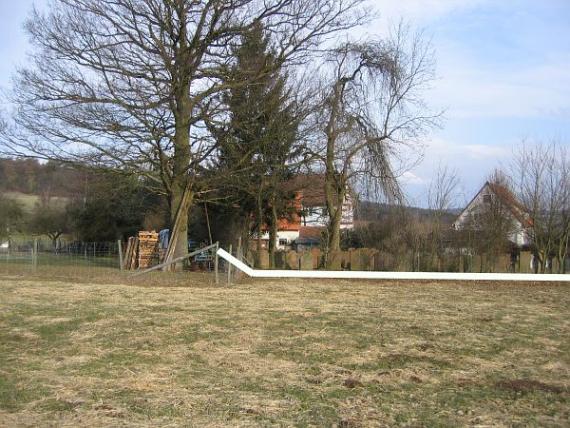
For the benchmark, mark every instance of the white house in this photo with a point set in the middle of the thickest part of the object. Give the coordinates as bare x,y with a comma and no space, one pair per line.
493,192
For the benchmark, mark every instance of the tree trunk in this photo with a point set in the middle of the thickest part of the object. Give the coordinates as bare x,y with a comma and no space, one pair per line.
334,195
181,239
182,155
54,237
334,230
273,234
259,224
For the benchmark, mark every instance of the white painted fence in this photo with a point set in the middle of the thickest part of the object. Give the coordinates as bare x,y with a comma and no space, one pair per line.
333,274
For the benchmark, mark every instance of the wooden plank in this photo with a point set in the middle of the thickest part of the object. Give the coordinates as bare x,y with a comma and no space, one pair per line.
178,259
128,251
177,225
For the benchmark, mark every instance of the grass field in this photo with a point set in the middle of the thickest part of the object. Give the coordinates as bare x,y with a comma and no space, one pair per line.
273,353
29,202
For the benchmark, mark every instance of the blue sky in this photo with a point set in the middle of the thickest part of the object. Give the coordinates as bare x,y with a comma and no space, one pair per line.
503,75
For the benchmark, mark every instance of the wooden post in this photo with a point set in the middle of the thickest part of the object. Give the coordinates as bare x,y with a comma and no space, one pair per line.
230,268
216,263
120,249
239,253
208,222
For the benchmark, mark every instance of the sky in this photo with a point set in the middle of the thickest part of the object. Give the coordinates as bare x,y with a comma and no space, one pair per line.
502,76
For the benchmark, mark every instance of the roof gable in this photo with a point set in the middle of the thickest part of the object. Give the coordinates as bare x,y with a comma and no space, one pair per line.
506,198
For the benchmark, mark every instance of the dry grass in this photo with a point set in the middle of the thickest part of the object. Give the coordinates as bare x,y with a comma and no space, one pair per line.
275,353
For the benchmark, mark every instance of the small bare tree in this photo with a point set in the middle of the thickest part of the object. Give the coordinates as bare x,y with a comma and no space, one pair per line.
372,106
51,221
541,173
441,194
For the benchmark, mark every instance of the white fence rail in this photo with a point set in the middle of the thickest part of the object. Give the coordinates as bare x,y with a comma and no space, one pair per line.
450,276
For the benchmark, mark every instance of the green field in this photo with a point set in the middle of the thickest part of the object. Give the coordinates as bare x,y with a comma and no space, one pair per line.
29,202
114,352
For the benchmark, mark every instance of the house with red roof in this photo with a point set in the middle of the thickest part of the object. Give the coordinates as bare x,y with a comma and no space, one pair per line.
310,216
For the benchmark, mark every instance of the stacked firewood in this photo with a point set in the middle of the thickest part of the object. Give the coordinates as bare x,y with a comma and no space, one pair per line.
142,251
148,249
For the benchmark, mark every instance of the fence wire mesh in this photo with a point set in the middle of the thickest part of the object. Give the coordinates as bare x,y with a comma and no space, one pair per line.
91,261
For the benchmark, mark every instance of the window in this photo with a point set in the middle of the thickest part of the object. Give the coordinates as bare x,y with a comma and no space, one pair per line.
283,241
487,199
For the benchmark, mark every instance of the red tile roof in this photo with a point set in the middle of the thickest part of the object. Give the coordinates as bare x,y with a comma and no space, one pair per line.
511,202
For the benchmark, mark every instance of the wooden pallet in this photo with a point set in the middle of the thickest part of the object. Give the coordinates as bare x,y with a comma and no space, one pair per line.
130,261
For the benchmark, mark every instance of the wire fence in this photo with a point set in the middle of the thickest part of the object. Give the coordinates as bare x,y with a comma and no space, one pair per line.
75,257
99,261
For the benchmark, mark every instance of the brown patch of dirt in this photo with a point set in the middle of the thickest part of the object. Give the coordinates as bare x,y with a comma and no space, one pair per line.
528,385
347,423
465,382
352,383
424,346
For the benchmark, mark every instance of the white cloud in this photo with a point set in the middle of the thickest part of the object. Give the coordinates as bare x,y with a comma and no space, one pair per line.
409,177
480,151
474,83
421,11
441,150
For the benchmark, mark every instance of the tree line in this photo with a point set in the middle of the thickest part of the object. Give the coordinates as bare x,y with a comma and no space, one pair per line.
222,100
95,206
213,106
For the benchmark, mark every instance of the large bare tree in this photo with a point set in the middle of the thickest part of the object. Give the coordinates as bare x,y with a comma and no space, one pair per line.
372,106
132,84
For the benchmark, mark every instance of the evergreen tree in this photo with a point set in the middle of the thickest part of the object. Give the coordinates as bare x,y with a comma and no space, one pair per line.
260,142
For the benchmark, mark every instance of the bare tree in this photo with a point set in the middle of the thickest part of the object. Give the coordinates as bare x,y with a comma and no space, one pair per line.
441,194
541,173
132,84
371,107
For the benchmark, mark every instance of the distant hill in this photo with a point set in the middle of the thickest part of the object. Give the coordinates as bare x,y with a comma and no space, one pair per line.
376,211
30,177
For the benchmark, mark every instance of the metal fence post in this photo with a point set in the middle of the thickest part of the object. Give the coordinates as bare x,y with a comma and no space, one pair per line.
230,268
120,249
35,255
216,263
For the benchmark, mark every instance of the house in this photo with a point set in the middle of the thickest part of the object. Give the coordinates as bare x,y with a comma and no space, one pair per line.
497,193
310,215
